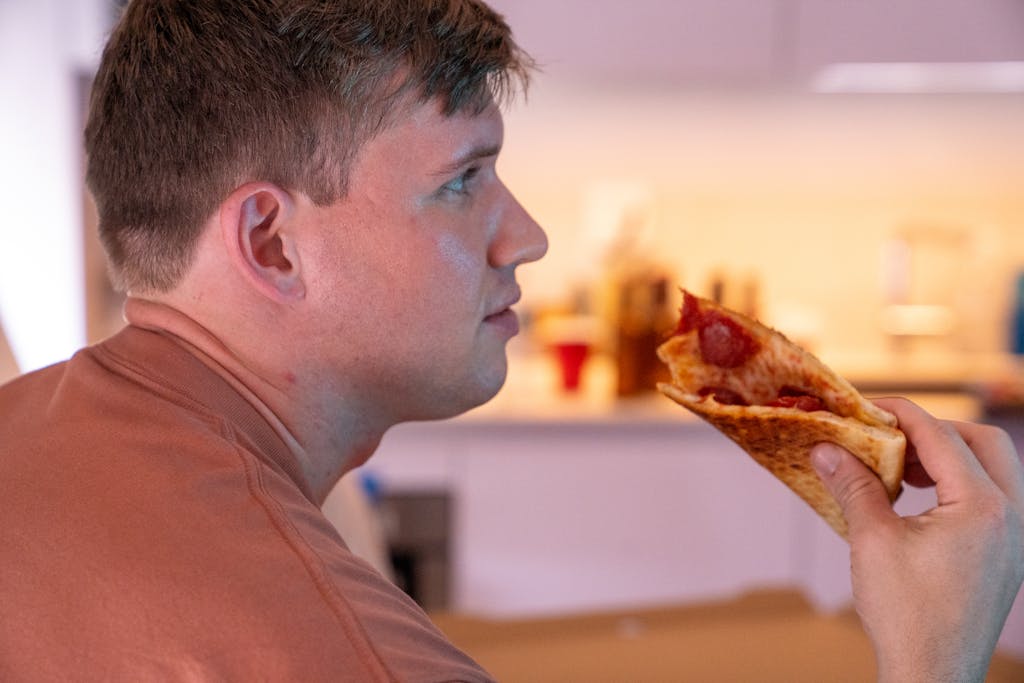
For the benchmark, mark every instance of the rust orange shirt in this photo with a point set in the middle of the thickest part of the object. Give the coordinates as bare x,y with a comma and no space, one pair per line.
153,526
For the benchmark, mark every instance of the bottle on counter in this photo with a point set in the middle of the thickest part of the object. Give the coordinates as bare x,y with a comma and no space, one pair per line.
646,316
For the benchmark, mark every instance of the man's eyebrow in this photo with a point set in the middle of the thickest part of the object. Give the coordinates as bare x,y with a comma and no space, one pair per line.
478,152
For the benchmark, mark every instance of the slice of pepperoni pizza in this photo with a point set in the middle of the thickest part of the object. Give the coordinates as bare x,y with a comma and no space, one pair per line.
776,401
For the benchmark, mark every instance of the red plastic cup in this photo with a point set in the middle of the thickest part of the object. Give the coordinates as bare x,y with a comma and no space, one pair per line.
571,357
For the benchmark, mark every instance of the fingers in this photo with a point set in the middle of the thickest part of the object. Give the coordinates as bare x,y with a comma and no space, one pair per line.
939,450
998,455
946,452
859,492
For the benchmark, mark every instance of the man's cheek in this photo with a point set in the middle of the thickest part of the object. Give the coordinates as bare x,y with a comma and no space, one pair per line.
459,259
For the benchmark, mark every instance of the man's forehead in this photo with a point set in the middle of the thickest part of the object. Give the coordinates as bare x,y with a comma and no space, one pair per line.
424,130
420,146
430,116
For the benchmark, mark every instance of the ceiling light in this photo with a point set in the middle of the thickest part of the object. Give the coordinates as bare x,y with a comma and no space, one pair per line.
920,77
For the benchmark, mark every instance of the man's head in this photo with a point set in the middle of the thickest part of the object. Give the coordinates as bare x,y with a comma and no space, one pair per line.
408,281
194,99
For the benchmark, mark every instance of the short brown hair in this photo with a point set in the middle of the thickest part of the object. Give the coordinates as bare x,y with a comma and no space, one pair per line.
195,97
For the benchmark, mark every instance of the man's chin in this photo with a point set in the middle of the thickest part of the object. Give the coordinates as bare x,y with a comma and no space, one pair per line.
490,394
474,394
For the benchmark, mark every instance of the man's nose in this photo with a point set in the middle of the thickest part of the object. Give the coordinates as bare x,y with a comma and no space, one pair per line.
520,239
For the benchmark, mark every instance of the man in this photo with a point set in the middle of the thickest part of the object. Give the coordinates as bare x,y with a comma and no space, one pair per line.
300,198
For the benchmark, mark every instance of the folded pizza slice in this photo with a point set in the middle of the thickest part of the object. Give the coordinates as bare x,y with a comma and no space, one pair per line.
776,401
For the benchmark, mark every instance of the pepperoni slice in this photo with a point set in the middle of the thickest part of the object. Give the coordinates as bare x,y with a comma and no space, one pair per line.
723,342
689,315
726,397
805,402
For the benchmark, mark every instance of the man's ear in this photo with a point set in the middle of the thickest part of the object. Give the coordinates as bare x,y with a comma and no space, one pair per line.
257,227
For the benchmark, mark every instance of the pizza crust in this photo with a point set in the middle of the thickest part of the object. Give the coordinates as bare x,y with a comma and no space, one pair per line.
778,438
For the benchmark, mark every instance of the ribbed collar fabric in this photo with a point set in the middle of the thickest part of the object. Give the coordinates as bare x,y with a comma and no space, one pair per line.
177,365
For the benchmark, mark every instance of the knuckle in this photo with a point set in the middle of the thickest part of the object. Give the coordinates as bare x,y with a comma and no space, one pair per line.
851,490
1002,439
997,437
948,431
997,517
901,401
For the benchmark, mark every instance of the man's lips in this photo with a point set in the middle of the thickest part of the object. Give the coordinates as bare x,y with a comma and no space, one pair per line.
503,316
505,320
504,304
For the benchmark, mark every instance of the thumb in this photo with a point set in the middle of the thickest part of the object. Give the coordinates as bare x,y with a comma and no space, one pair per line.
858,491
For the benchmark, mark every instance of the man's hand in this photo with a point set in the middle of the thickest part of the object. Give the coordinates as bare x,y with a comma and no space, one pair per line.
933,591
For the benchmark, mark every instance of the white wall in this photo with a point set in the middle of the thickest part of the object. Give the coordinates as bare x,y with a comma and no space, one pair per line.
44,45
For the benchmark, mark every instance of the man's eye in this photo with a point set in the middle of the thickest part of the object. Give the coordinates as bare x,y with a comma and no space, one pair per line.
461,184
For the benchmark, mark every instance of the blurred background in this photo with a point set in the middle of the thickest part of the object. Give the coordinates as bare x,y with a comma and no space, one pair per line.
849,172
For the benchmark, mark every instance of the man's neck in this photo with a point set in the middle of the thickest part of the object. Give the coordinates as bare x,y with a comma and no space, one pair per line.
326,440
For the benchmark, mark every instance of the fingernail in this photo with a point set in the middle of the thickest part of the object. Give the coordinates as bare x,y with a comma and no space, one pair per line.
825,458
